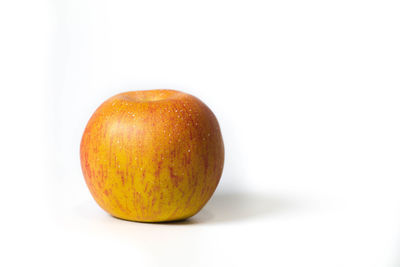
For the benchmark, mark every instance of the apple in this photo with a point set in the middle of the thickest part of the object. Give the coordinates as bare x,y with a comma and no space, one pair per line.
152,156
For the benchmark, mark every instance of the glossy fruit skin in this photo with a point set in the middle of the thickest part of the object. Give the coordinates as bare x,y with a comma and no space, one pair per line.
152,156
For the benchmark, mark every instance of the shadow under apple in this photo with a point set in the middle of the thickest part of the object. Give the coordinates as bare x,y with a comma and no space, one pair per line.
237,206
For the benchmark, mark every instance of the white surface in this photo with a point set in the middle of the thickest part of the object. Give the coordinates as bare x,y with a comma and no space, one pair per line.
307,95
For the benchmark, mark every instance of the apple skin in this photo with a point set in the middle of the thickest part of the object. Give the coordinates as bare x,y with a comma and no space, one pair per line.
152,156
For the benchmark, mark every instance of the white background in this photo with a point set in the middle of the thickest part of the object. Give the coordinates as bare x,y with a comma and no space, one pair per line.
307,95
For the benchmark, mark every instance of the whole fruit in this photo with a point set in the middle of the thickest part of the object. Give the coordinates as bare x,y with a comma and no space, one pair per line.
152,156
